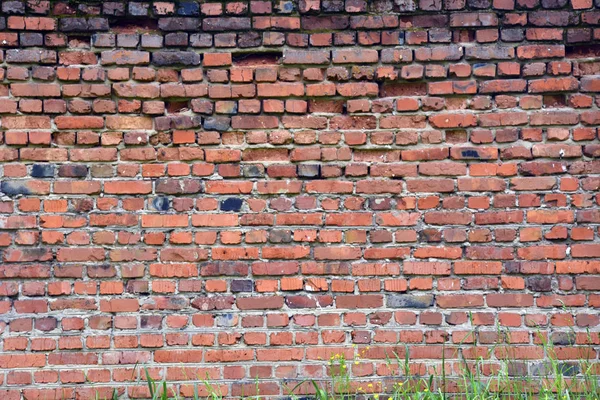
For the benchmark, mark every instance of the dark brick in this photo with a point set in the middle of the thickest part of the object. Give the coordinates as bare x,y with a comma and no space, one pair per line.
42,170
226,24
104,40
225,39
165,58
406,5
479,4
253,171
539,283
512,35
332,6
409,301
201,40
179,24
72,171
176,39
113,8
138,9
217,123
554,3
73,24
278,236
563,338
97,24
241,286
231,204
334,22
309,170
178,186
14,188
250,39
188,8
13,7
28,39
150,41
151,321
161,203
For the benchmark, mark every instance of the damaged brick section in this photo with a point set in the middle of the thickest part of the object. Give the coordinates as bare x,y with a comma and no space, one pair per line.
244,188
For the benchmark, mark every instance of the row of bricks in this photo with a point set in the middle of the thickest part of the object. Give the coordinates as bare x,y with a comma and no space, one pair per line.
242,268
361,371
416,300
428,235
159,287
483,315
259,374
172,324
423,206
312,353
324,39
536,277
263,387
372,139
298,90
267,64
178,326
336,188
365,187
223,303
332,22
293,106
274,40
446,120
508,71
255,387
391,167
385,37
288,207
462,24
192,8
357,121
258,338
184,257
452,52
321,253
424,202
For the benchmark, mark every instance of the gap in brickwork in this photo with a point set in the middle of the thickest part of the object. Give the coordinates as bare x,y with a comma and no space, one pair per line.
257,59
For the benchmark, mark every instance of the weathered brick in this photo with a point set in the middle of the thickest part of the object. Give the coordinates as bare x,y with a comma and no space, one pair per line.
386,164
125,57
163,58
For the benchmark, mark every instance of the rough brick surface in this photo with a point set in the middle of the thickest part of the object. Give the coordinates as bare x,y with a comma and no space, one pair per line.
243,188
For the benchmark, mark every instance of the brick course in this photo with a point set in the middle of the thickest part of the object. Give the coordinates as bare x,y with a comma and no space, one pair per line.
243,188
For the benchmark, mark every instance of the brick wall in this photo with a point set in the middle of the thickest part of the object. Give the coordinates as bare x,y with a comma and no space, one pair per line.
245,188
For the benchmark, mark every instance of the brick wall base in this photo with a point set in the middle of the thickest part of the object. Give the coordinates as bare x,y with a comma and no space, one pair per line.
245,188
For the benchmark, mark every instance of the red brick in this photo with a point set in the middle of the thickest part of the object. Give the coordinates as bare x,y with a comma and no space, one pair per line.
216,59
